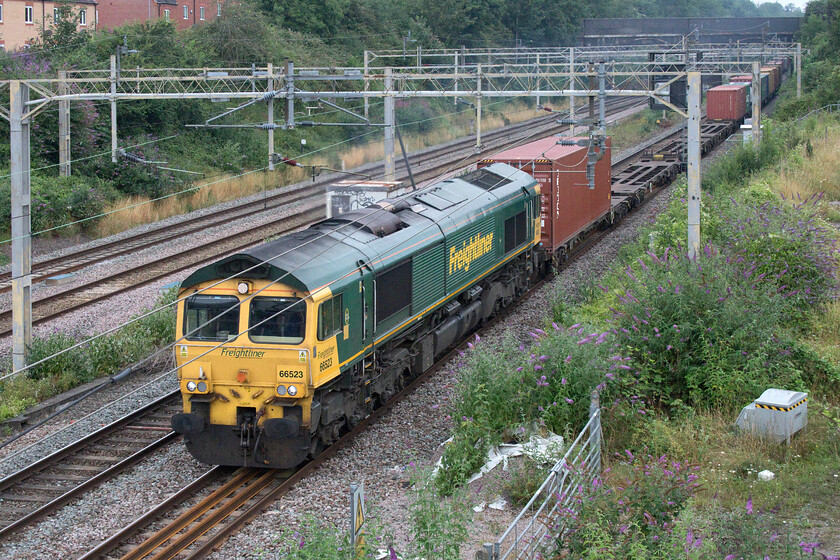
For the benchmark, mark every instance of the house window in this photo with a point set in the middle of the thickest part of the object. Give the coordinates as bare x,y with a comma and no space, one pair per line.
55,14
201,13
1,13
218,9
186,12
166,15
27,14
83,17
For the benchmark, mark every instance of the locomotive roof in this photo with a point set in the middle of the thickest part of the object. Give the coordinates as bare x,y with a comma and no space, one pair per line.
376,237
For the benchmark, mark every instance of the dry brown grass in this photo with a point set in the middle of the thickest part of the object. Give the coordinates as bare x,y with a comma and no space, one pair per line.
819,173
137,210
134,211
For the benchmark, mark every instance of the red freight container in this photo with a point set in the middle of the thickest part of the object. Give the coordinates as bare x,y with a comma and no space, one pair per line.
568,205
726,103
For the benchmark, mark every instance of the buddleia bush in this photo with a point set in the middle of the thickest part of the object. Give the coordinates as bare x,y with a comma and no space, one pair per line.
701,331
784,243
504,394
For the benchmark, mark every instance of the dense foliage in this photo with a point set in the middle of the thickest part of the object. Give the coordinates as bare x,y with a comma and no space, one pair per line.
820,36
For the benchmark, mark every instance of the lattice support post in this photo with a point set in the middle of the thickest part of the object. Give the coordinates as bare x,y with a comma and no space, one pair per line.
797,60
21,224
114,109
572,89
270,87
390,122
478,97
755,91
63,127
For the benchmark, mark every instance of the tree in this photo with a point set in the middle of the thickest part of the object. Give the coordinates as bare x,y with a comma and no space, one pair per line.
63,36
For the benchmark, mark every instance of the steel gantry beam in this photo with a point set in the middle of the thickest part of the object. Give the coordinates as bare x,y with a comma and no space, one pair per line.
481,75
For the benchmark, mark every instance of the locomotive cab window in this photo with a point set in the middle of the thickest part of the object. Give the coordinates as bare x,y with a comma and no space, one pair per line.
211,317
515,232
329,317
277,320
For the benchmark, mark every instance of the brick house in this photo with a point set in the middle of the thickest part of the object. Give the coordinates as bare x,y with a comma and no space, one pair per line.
183,13
21,21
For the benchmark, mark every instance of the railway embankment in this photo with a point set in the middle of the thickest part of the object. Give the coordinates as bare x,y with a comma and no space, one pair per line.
676,347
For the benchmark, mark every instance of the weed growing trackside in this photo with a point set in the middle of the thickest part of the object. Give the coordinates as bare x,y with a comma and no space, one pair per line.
690,341
101,357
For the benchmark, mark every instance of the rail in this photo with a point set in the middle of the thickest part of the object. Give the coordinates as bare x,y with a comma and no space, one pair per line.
536,530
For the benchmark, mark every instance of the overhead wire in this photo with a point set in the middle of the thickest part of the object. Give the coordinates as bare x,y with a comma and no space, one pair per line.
115,328
240,302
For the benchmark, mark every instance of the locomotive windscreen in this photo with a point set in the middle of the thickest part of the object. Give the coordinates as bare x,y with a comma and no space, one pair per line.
211,317
277,320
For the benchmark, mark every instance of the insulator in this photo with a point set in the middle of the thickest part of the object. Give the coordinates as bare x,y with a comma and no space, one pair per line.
567,121
269,126
269,95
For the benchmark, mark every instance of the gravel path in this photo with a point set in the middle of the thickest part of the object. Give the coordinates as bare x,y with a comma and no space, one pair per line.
381,458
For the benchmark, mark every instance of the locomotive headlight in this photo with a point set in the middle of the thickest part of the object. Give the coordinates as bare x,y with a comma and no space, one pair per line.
190,386
292,390
202,386
243,288
281,390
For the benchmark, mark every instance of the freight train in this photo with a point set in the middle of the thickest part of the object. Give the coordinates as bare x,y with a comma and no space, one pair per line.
285,346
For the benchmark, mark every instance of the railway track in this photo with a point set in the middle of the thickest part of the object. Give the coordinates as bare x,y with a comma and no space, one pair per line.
430,163
41,488
46,308
187,527
207,521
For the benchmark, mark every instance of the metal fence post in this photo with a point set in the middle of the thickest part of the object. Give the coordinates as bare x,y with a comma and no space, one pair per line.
594,413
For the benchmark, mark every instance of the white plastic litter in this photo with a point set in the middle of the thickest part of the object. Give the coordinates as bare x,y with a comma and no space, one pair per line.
543,450
480,507
498,504
766,476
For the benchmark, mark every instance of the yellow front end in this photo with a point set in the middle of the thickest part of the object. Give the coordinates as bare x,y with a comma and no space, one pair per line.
246,373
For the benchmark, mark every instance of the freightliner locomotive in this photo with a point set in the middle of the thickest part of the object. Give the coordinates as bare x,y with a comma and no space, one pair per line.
287,345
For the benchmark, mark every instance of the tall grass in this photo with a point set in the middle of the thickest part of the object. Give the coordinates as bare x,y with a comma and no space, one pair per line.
138,210
133,211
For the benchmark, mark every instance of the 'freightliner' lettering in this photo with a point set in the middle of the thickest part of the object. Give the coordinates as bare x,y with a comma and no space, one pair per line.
242,353
478,246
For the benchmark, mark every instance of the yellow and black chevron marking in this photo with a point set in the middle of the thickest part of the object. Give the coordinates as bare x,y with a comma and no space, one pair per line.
780,408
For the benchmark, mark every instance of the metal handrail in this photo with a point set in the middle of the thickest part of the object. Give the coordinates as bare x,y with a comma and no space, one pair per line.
830,108
581,463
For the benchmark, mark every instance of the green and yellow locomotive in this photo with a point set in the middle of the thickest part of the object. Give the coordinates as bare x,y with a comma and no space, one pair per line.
287,345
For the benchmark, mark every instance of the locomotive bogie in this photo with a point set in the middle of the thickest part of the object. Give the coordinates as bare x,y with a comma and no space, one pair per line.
300,338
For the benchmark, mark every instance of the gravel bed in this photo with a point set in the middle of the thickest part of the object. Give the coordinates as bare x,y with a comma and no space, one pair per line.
91,319
382,457
83,524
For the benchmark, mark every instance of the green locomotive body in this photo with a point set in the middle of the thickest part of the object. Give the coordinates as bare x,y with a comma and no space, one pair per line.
290,343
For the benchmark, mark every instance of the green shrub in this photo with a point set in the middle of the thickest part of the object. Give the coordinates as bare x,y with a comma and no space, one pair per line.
699,332
106,355
501,394
632,515
58,201
439,525
525,479
318,540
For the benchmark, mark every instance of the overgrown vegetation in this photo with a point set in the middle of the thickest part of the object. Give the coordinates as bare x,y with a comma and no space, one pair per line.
101,357
676,347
